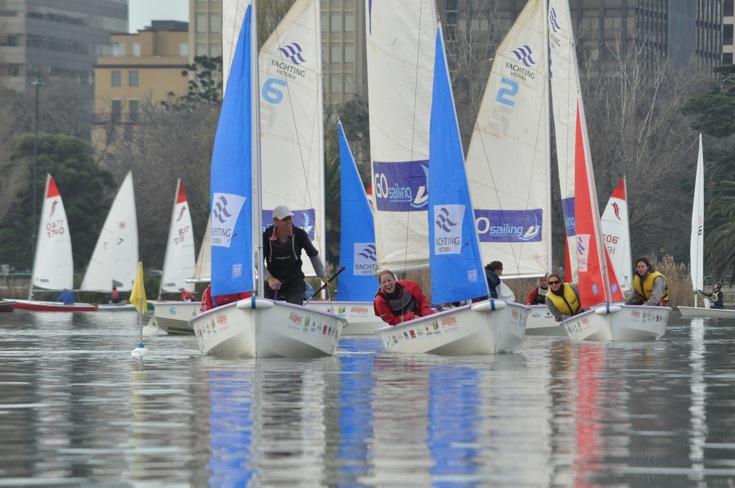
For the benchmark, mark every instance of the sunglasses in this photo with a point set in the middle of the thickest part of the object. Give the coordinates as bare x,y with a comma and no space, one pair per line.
554,282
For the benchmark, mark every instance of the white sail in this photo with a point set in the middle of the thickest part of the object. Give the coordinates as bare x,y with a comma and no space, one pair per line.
178,264
115,256
696,243
203,266
565,91
291,122
53,267
616,235
508,161
400,63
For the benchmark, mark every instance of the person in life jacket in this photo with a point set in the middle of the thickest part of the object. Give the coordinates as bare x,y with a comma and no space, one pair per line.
538,294
649,286
114,295
399,300
185,295
716,297
282,246
562,298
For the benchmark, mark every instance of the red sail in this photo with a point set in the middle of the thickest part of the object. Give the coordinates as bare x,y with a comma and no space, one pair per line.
592,287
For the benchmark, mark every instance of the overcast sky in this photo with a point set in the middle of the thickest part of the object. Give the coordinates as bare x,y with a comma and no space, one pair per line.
143,11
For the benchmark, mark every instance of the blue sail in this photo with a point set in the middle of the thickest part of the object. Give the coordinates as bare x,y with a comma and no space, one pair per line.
231,185
357,241
454,252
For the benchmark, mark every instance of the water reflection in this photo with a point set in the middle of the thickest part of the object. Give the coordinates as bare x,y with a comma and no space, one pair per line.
76,409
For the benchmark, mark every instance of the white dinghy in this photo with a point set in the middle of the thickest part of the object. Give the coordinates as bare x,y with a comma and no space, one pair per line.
485,327
254,327
598,285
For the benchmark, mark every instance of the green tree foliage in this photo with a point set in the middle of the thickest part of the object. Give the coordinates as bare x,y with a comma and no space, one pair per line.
86,190
712,114
205,85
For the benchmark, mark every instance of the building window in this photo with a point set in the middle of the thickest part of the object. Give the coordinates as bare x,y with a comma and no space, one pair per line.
727,34
349,53
202,23
336,23
136,49
183,49
215,23
335,55
116,111
727,8
116,79
216,50
336,84
134,110
349,22
133,78
201,49
118,49
726,58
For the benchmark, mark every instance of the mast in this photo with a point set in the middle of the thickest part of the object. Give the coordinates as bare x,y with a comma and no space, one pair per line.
257,172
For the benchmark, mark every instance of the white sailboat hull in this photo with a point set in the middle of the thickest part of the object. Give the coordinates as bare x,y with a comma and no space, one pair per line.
261,328
174,316
629,323
116,307
722,313
541,323
360,316
462,331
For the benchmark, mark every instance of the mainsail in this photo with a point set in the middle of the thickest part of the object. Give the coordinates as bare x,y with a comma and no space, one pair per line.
696,243
400,63
53,267
508,161
291,122
115,256
616,234
178,263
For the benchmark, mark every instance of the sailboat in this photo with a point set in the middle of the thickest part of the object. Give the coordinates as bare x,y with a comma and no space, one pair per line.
253,327
53,267
598,286
485,327
178,266
357,284
115,255
696,248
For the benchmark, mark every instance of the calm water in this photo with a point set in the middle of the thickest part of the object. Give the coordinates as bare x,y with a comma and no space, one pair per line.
77,410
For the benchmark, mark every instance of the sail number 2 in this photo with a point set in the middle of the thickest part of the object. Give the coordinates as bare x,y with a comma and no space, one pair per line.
505,97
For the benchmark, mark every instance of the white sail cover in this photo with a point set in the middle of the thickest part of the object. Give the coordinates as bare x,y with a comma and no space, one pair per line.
400,62
565,91
696,244
178,264
291,122
115,256
508,162
616,235
203,266
53,266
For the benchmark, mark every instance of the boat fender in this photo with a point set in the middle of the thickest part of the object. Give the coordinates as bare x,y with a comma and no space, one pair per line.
607,309
254,303
488,306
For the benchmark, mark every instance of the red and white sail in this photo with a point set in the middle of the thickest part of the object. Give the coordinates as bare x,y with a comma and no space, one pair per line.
597,282
178,264
616,234
53,267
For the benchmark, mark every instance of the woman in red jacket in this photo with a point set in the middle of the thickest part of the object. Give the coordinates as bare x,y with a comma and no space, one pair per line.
399,301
